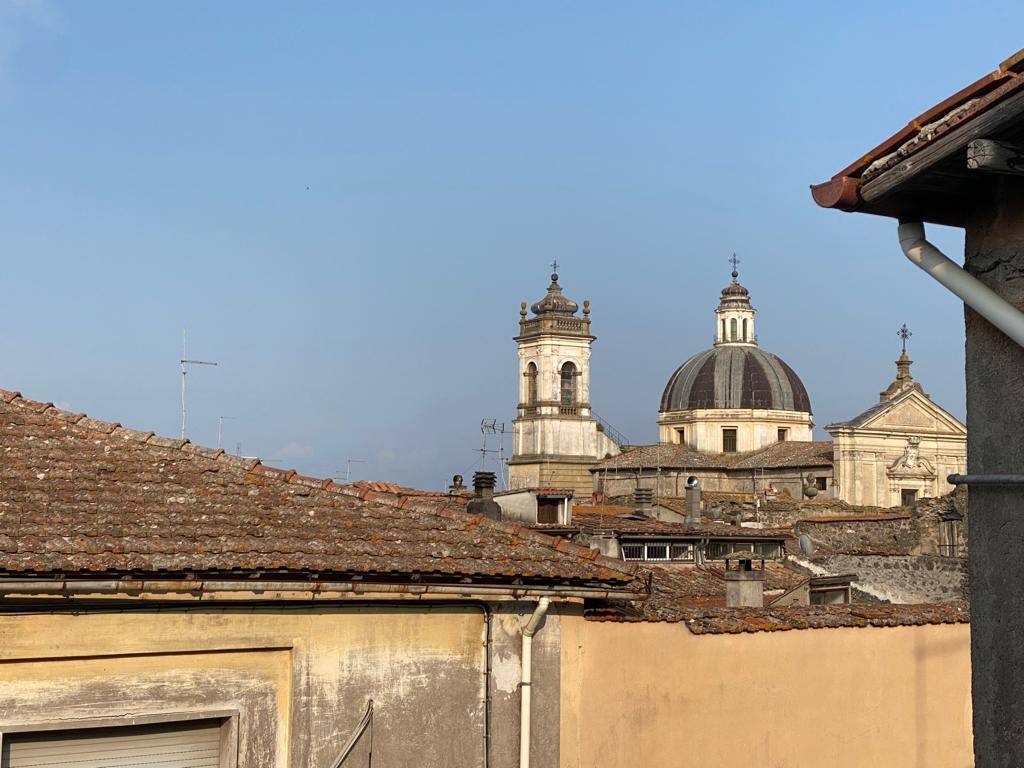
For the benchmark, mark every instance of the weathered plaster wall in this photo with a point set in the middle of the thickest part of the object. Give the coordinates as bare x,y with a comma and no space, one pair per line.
298,676
843,698
995,421
755,428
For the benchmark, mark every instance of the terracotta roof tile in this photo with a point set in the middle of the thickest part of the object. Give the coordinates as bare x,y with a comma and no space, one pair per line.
78,496
590,522
788,454
685,595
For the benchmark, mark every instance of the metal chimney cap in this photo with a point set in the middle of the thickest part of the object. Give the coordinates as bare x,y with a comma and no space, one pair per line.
483,480
692,482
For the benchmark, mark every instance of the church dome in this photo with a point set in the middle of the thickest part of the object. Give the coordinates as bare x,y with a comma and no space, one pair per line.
555,301
735,376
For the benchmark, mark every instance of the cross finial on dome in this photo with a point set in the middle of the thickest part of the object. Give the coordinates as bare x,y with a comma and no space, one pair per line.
554,271
734,261
904,333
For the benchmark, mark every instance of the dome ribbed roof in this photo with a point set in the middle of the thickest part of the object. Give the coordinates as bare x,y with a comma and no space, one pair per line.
729,376
555,301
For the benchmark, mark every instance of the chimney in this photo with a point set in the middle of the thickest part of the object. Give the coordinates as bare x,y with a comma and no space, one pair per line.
744,583
693,502
483,503
642,498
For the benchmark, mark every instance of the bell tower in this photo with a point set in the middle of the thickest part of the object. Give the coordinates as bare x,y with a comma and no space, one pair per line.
556,439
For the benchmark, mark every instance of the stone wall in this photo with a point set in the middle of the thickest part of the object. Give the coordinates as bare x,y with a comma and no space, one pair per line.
902,578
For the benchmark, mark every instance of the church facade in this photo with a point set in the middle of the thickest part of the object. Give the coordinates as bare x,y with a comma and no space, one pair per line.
899,450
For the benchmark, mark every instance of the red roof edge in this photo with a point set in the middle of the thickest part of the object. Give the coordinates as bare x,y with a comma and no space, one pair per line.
840,191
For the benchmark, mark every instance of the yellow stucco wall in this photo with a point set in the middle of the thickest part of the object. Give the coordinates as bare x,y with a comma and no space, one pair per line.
297,678
656,695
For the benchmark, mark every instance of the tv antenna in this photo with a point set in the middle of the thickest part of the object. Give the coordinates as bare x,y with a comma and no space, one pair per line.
220,430
348,467
496,428
185,362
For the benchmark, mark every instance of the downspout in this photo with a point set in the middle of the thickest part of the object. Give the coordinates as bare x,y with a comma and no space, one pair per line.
971,291
527,678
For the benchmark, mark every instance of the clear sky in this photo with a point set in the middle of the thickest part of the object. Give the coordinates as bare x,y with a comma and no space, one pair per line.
344,204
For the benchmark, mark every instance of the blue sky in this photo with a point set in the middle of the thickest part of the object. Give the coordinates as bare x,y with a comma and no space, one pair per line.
345,203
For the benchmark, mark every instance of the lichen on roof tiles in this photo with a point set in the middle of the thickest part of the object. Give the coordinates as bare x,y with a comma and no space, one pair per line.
82,496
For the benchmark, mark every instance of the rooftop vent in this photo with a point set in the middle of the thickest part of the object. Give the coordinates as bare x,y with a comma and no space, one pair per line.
642,498
483,503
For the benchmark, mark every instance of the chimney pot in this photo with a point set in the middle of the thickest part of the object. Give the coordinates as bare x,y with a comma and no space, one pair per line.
693,502
642,498
483,503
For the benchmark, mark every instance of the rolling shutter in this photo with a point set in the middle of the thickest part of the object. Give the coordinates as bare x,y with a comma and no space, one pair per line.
170,745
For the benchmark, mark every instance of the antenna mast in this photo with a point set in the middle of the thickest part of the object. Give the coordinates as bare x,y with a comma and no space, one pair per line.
220,430
185,362
494,427
348,467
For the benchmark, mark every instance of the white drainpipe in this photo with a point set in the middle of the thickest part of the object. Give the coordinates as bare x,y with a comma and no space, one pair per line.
974,293
527,677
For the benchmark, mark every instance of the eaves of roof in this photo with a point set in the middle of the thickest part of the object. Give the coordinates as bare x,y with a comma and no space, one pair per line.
875,182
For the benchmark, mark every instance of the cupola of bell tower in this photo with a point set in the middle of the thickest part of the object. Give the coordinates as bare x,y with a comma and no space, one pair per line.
734,318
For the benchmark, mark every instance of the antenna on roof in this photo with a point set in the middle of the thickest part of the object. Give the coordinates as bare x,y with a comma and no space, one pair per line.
348,467
220,430
494,427
185,362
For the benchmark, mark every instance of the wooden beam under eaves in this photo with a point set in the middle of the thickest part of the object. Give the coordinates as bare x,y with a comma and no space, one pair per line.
995,157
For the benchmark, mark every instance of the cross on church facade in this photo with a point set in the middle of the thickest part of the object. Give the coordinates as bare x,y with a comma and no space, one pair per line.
904,333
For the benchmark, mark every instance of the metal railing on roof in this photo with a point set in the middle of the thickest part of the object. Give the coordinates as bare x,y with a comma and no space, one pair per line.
617,437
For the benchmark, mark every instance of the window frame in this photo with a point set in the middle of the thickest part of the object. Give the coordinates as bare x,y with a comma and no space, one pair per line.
735,439
567,374
229,729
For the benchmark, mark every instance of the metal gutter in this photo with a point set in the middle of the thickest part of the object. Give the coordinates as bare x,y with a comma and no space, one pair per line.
207,589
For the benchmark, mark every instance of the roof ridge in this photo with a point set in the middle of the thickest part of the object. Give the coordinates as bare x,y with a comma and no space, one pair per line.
325,485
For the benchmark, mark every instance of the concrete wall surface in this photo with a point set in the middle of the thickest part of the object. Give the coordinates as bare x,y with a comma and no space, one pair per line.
657,696
296,679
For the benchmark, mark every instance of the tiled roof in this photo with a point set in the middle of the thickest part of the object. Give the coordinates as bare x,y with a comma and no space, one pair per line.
590,522
777,575
790,454
684,595
879,518
955,117
81,496
538,491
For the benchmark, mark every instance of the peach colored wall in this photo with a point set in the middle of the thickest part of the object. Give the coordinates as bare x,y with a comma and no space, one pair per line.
655,695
